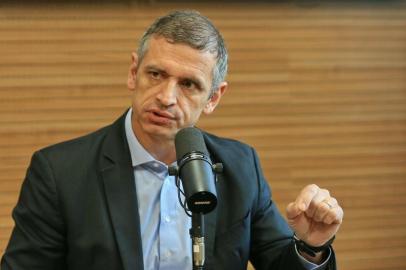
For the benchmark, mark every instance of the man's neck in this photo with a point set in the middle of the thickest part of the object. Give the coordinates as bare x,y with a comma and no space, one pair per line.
159,148
164,152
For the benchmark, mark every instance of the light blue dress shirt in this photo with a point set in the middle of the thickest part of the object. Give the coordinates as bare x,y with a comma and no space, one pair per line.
166,243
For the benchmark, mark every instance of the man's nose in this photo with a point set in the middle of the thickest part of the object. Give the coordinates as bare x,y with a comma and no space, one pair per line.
168,93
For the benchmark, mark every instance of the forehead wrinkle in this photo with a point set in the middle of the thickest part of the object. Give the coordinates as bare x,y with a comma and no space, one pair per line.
180,60
184,73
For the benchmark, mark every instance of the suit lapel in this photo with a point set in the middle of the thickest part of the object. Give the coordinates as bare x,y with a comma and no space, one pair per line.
210,222
211,218
118,179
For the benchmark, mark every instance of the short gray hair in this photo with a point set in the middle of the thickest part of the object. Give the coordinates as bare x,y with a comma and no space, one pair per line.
195,30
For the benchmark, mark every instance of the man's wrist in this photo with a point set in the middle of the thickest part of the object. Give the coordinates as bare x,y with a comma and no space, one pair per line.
318,259
310,250
313,263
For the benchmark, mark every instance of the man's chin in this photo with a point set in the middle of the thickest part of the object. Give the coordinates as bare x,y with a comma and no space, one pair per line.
162,132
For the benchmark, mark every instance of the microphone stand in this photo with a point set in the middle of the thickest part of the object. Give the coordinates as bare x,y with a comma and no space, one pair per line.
197,230
197,235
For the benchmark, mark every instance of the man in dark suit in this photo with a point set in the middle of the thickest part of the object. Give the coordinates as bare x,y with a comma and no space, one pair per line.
106,201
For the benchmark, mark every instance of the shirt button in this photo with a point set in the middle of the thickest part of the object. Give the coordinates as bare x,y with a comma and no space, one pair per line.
167,219
155,165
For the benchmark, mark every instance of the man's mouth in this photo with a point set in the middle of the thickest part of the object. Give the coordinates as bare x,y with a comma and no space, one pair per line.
160,117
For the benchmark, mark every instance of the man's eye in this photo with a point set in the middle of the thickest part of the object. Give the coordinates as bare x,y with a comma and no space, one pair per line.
188,84
154,74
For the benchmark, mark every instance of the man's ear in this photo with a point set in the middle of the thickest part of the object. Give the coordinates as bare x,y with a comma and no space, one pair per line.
132,73
215,98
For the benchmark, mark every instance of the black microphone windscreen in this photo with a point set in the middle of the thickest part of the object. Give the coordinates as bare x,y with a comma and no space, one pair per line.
189,140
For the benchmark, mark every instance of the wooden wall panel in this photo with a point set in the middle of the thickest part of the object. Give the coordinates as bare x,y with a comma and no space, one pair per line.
320,91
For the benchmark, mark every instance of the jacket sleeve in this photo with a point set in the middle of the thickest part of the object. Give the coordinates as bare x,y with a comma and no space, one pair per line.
38,238
272,246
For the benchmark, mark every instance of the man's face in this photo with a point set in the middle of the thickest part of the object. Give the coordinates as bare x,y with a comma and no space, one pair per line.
171,88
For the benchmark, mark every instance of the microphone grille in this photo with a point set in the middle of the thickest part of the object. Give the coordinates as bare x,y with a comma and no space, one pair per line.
189,140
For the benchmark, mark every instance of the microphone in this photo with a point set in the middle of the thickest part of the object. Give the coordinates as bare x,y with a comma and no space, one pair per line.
196,171
197,174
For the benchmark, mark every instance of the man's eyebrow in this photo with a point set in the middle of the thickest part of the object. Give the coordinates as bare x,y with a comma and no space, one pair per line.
155,68
195,79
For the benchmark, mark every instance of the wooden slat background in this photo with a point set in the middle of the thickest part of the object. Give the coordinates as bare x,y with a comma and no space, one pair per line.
319,90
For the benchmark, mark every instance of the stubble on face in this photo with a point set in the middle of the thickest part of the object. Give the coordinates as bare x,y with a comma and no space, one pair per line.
172,87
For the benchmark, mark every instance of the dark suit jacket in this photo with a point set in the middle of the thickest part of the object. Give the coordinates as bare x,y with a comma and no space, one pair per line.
78,210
